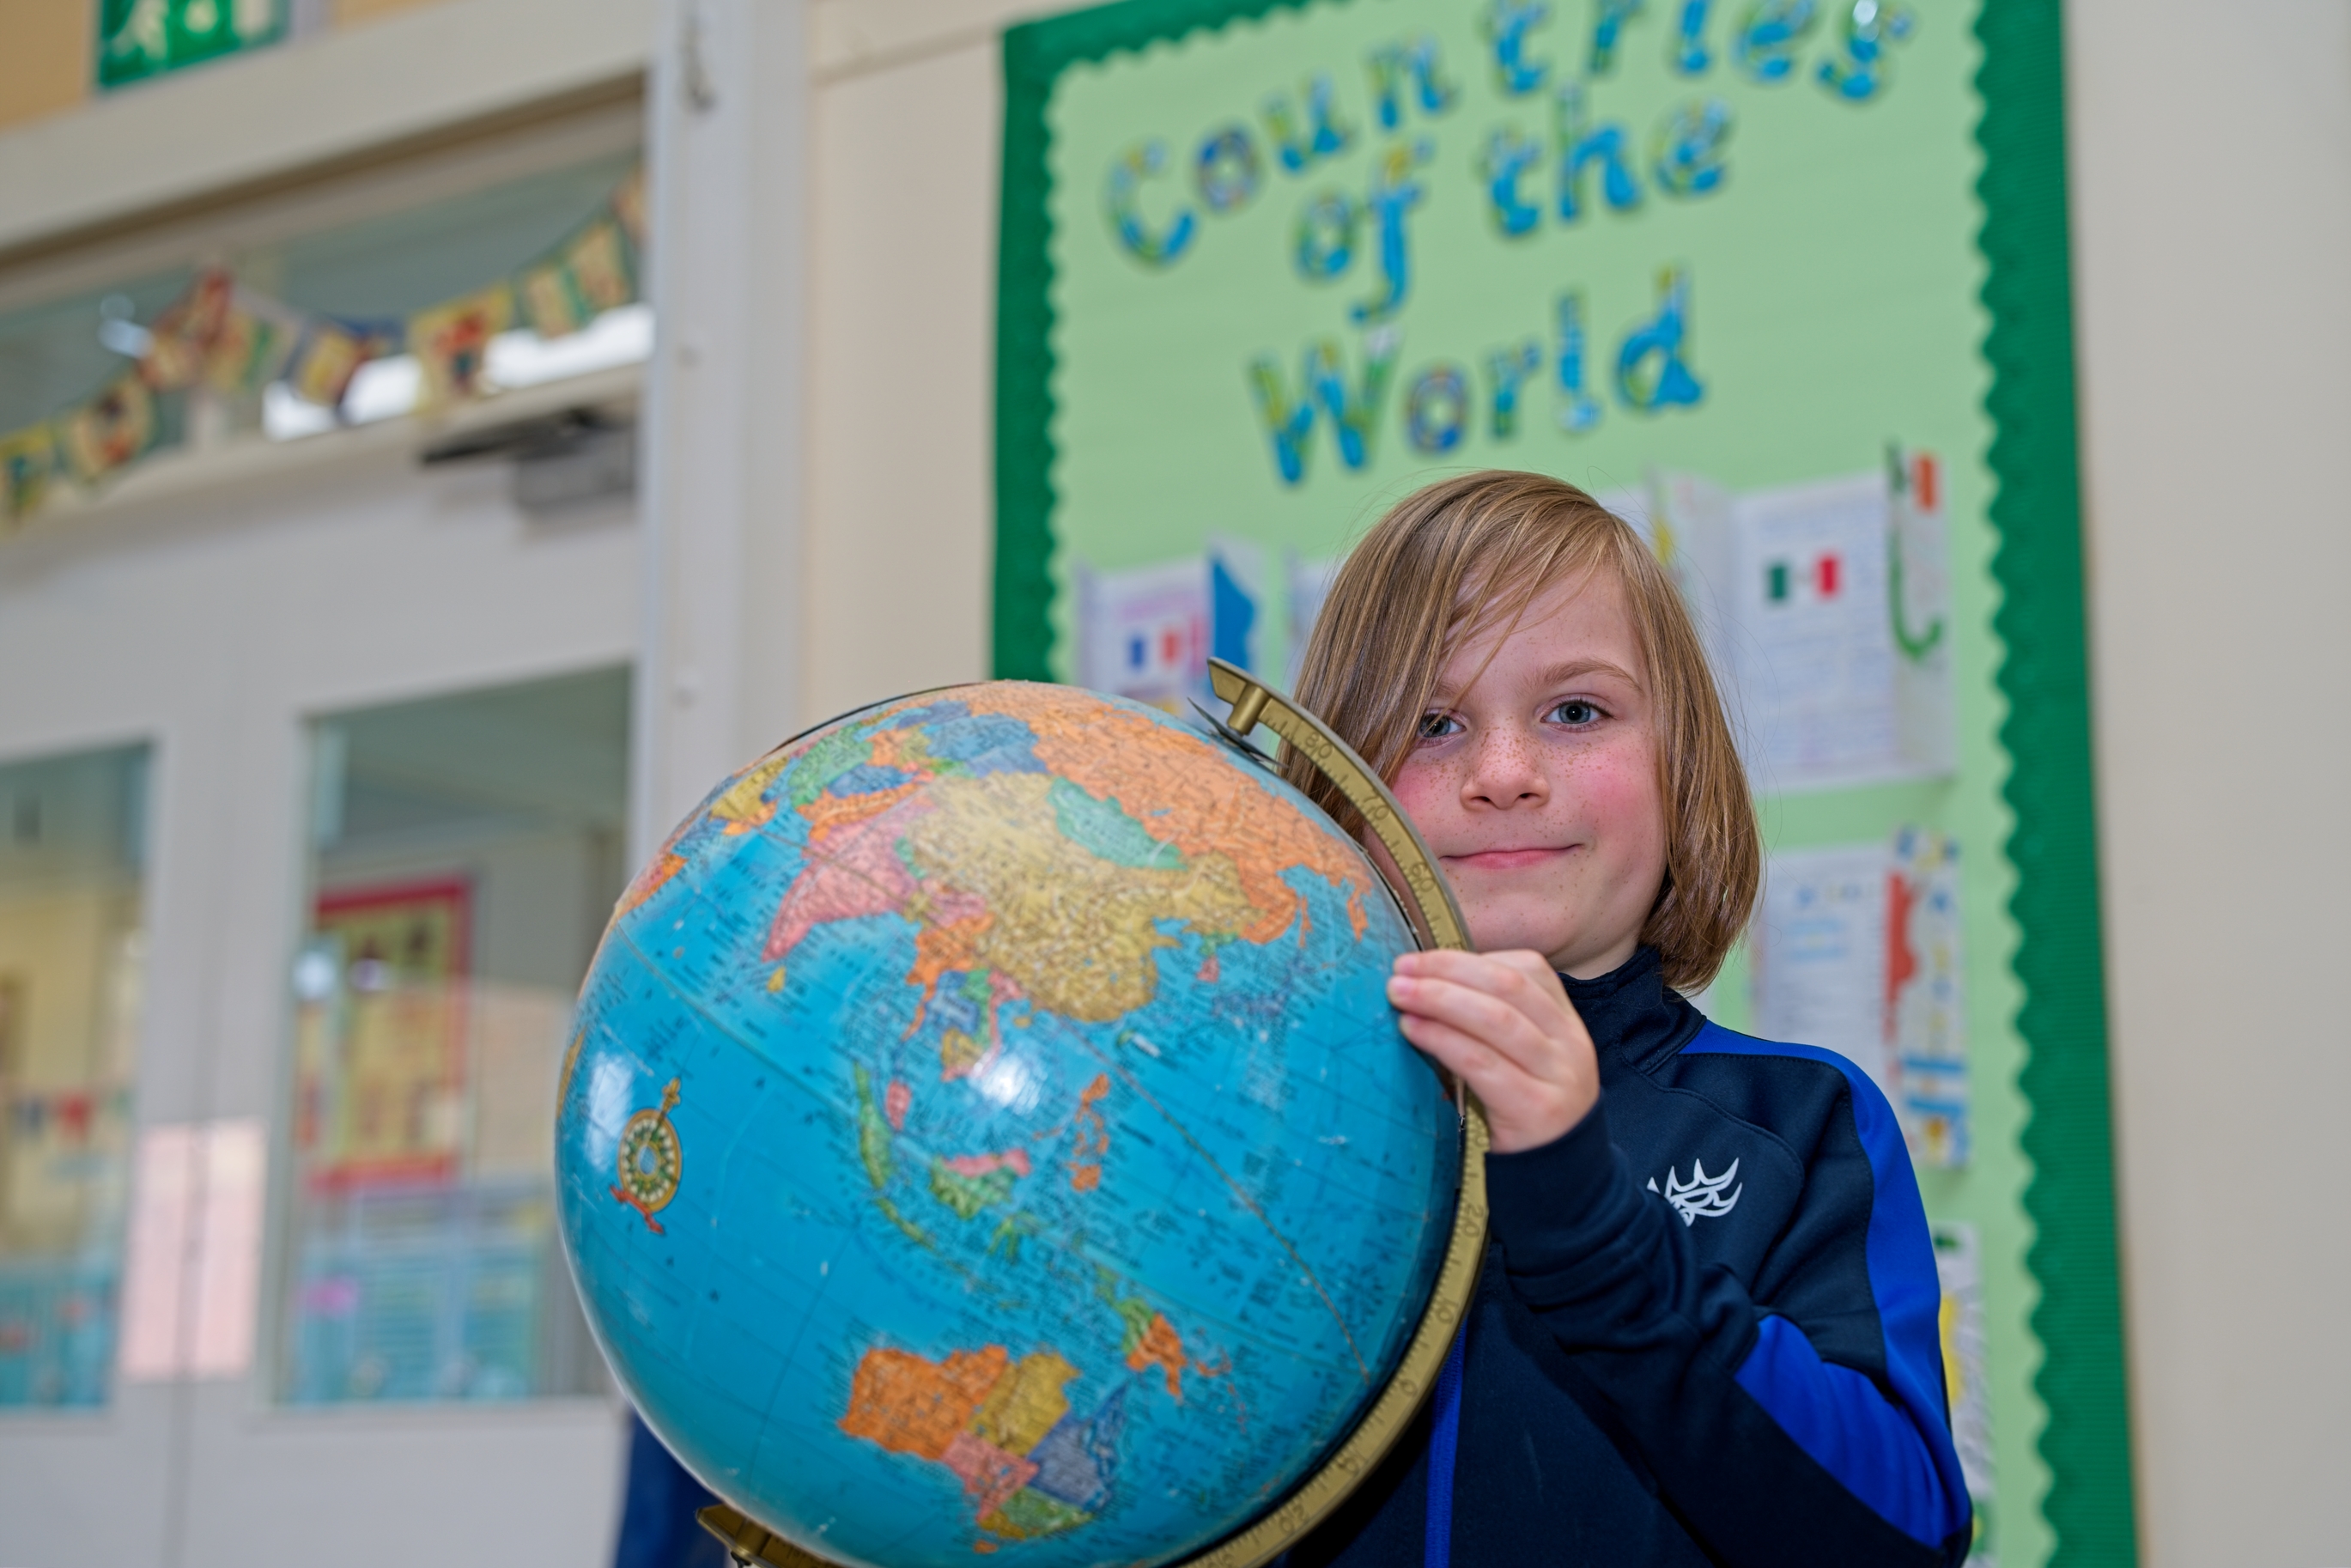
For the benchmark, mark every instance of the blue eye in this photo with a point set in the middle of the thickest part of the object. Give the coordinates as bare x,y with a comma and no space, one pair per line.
1438,727
1575,711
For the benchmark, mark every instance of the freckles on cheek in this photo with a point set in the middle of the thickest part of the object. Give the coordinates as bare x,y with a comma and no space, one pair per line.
1422,789
1618,791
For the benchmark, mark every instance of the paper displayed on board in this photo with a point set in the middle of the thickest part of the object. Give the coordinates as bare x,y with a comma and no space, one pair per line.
1819,962
1857,950
1142,633
1693,529
1926,1015
1148,631
1823,609
1960,1321
193,1270
227,1264
1307,584
155,1252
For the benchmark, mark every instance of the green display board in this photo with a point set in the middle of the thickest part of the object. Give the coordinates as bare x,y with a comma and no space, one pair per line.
1784,281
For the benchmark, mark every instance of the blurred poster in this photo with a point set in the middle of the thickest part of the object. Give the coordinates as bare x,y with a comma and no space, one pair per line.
420,1293
56,1329
1823,608
1926,995
1960,1320
1857,951
1148,631
380,1034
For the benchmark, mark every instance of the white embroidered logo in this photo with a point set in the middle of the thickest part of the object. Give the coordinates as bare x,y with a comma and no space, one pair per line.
1702,1193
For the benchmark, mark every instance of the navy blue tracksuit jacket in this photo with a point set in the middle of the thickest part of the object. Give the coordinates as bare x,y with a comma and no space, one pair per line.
1706,1332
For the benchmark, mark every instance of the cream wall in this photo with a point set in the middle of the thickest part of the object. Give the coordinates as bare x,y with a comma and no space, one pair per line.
908,115
46,65
2212,220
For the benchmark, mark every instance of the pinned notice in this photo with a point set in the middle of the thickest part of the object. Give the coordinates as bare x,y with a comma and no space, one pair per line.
1148,631
1858,951
1825,610
192,1275
1958,1268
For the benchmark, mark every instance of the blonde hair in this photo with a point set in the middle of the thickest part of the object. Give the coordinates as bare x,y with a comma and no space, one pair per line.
1463,555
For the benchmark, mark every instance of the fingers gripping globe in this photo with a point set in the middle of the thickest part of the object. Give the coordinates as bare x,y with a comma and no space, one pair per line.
987,1135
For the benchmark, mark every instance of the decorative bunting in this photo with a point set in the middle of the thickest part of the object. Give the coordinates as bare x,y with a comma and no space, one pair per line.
329,356
233,340
549,303
111,429
599,265
181,338
256,337
589,277
629,206
27,458
452,343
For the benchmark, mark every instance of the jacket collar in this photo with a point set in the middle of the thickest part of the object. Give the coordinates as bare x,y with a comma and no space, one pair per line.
1636,1020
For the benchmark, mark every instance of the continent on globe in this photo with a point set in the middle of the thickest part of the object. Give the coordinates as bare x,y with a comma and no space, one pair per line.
1005,1428
1058,880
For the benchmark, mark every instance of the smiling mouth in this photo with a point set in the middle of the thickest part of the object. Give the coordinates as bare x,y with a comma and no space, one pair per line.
1509,859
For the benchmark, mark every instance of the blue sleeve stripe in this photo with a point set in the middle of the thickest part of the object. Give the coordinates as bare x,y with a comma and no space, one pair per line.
1850,1430
1818,1405
1444,1444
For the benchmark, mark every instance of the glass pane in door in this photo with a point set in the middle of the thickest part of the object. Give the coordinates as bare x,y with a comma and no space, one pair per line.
72,945
465,852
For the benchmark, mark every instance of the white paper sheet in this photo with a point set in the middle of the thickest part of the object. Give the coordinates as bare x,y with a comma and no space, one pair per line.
1926,996
228,1248
1819,970
193,1273
1962,1322
1823,609
1857,950
1147,632
155,1254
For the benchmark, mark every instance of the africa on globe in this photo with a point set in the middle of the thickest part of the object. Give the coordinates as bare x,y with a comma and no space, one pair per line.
987,1135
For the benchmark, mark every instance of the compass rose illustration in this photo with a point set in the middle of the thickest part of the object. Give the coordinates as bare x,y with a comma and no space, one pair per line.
651,1160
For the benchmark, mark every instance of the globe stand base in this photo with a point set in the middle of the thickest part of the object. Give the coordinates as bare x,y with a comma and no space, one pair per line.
752,1544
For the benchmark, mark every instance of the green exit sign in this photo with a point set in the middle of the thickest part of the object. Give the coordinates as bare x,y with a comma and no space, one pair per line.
143,38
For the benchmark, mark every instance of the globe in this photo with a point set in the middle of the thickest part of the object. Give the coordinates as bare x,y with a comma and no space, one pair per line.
986,1133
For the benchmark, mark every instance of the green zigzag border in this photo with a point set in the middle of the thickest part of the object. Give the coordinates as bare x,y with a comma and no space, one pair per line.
2060,960
2037,511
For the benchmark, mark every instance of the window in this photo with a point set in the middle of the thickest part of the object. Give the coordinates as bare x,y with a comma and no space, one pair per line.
465,852
71,943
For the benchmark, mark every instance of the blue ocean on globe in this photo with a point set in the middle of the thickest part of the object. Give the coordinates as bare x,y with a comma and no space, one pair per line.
986,1136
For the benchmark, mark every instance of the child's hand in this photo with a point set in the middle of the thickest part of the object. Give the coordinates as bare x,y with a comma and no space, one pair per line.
1502,1022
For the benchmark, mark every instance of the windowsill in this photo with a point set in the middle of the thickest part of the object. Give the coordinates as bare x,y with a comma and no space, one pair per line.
190,473
564,1410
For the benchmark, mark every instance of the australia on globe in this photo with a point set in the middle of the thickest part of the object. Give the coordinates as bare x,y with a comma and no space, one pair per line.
987,1134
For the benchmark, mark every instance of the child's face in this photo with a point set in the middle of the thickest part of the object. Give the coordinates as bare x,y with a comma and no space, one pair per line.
1534,781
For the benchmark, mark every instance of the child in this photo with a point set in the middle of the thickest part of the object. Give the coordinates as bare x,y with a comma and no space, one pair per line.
1707,1327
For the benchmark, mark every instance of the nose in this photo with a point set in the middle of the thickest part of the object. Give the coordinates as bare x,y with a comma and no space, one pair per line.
1505,772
